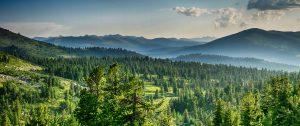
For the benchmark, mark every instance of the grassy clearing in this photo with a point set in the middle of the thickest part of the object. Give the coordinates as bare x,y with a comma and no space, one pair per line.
150,89
18,64
28,74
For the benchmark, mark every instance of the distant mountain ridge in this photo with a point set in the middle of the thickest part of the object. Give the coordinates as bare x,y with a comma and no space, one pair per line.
237,61
139,44
16,43
275,46
204,39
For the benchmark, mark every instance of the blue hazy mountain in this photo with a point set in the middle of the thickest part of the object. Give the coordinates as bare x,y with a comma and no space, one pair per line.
18,44
237,61
275,46
204,39
139,44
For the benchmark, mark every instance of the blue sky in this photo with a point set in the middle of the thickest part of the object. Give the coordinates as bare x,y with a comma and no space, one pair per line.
148,18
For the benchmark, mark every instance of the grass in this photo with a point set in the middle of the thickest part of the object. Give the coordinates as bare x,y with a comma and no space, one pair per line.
19,70
150,89
18,64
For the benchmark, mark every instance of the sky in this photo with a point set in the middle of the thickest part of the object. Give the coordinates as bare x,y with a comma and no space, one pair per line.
147,18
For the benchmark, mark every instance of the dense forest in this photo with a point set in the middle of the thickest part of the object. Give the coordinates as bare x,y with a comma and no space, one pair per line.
237,61
92,90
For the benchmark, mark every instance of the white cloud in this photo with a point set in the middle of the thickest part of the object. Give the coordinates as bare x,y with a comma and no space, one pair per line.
193,11
34,29
224,16
269,15
273,4
272,10
239,18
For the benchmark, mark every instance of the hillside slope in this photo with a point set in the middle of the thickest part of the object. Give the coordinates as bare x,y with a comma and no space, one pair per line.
275,46
27,85
16,43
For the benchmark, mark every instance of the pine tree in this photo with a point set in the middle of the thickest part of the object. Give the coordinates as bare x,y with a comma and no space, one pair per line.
251,113
186,117
156,94
5,119
17,111
162,91
134,102
5,59
228,118
96,81
166,87
117,101
87,109
218,120
175,89
283,111
39,116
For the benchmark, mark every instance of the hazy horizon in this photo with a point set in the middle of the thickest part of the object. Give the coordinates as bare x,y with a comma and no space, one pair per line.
150,19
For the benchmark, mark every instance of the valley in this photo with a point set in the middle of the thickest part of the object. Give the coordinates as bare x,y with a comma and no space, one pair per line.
149,63
57,83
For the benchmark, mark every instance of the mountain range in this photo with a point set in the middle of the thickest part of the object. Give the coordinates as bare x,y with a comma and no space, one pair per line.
237,61
21,45
204,39
275,46
138,44
271,46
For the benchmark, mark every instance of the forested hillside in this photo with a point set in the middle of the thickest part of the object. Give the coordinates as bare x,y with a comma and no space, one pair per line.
39,89
30,97
15,42
237,61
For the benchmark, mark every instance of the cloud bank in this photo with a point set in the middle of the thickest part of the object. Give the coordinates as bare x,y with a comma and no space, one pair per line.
272,9
264,10
193,11
269,15
263,5
224,16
